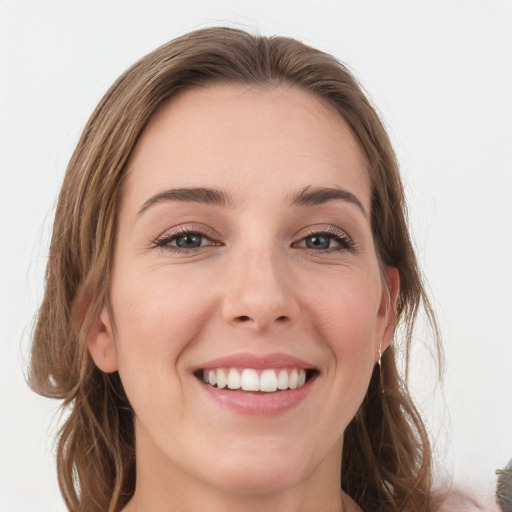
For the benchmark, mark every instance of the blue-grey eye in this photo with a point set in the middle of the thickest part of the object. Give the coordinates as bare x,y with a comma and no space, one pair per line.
318,242
189,240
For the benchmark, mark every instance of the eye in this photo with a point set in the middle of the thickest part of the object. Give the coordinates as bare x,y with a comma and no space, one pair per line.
188,240
319,242
184,240
326,241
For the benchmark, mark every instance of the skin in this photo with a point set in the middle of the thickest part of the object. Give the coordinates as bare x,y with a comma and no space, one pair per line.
252,286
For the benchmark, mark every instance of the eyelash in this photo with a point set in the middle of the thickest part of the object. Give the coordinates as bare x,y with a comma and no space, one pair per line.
344,241
164,242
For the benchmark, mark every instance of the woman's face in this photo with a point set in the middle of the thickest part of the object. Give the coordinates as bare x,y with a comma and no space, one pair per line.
244,257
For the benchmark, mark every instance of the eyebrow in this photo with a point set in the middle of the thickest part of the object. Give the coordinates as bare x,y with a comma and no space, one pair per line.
192,195
306,197
317,196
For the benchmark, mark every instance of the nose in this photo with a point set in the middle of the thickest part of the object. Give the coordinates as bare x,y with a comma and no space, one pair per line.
259,292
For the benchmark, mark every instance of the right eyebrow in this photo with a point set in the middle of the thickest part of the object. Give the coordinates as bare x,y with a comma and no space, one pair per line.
202,195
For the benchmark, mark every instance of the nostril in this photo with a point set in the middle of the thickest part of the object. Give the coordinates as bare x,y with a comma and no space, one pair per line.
246,319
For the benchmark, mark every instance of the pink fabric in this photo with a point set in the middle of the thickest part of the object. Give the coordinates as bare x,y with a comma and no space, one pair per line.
458,501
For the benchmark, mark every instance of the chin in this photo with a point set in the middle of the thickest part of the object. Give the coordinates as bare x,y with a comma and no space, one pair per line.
265,476
264,466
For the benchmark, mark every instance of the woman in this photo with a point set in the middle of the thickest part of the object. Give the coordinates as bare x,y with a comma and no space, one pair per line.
229,260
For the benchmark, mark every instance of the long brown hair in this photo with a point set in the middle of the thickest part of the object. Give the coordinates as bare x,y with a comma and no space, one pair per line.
386,462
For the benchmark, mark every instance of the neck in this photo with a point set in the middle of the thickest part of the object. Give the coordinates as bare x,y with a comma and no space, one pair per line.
286,502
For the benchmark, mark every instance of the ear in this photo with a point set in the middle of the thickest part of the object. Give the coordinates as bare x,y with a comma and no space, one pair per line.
100,341
388,306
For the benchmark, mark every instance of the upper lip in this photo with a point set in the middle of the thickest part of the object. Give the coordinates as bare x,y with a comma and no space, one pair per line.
246,360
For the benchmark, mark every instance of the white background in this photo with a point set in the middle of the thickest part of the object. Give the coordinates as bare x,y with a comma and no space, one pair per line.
440,72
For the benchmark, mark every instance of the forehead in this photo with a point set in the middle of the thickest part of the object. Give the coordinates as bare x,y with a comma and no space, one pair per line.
241,139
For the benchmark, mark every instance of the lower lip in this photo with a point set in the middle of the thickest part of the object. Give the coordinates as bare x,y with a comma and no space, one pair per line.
258,403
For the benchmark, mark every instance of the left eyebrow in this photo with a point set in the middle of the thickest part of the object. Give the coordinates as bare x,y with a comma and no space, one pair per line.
317,196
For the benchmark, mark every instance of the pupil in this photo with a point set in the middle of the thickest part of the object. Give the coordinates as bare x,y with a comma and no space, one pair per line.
318,242
188,241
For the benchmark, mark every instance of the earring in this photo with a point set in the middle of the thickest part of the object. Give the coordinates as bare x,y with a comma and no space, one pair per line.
380,368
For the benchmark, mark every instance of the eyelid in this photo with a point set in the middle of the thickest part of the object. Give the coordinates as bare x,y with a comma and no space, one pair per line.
170,234
346,242
326,229
163,241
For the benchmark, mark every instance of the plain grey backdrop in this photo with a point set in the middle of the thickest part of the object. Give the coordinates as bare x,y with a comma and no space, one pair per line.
440,72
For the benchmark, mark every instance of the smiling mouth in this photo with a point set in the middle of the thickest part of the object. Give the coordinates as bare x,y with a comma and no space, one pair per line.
249,379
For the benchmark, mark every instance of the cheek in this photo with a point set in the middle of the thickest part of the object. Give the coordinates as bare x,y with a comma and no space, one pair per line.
150,336
156,319
348,325
347,315
158,310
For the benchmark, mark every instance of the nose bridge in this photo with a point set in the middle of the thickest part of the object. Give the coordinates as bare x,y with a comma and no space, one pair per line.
260,270
259,291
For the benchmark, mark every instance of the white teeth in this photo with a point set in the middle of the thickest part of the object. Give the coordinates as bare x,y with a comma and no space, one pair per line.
267,381
250,380
293,380
222,380
282,380
233,379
